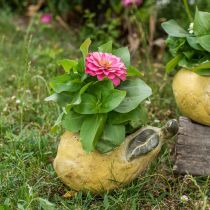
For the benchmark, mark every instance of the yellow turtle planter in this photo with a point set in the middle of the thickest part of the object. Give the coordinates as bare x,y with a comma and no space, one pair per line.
98,172
192,94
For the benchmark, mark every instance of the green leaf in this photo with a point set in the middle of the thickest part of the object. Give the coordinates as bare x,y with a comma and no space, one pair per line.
81,67
172,28
123,118
89,105
106,48
114,133
104,146
68,65
173,63
202,69
113,136
203,66
201,23
136,91
189,54
176,45
91,131
61,98
193,42
124,54
85,47
111,99
77,97
101,86
73,121
108,98
142,118
203,72
132,71
66,83
204,41
185,63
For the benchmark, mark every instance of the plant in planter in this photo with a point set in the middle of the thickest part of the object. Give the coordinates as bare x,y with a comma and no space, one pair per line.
102,100
101,97
191,51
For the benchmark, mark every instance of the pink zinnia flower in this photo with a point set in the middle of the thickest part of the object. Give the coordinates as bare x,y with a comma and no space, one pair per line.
128,3
46,18
104,65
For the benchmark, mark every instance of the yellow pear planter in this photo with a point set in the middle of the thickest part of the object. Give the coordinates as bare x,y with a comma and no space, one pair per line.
98,172
192,94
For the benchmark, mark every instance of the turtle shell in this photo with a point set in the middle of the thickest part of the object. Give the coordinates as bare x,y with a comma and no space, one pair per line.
143,143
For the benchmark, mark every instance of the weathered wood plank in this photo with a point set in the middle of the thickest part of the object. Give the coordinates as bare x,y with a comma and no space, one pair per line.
192,150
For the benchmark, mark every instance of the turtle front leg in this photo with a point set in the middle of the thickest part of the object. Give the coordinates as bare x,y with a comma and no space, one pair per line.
148,139
143,143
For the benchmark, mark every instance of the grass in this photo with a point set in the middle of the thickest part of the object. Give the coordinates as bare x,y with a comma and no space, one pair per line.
28,55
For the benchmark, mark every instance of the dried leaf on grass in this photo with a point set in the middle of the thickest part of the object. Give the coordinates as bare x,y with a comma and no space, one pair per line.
69,194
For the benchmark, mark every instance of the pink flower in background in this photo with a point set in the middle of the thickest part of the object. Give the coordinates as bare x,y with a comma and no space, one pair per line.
46,18
127,3
104,65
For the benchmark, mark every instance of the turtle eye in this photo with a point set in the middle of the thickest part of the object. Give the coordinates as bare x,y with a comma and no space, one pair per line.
145,142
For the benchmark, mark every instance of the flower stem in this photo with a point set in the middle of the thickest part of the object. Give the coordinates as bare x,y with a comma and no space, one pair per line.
187,9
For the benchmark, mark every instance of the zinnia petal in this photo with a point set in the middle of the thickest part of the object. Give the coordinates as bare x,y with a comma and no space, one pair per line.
111,76
116,81
100,76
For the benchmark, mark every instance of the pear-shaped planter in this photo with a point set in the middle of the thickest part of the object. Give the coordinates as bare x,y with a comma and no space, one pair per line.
192,94
98,172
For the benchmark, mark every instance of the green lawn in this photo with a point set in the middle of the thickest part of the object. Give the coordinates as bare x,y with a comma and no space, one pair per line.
28,55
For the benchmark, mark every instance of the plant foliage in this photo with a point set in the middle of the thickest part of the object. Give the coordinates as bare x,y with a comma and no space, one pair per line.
190,49
101,113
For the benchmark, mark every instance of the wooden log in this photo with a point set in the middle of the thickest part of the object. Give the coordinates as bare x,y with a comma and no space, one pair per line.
192,150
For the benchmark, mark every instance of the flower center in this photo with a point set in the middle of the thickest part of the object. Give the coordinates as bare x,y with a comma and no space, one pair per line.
105,63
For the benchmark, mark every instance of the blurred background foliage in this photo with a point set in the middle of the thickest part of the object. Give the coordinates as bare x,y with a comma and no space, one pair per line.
104,20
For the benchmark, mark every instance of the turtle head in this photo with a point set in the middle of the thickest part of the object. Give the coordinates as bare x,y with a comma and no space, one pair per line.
169,130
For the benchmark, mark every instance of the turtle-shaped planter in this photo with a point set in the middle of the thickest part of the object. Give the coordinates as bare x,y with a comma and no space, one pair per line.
192,94
98,172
